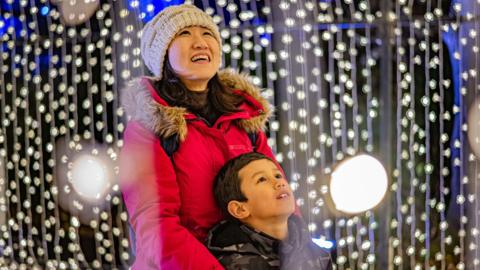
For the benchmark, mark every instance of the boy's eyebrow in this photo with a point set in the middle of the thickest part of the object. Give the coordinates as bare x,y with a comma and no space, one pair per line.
262,171
257,173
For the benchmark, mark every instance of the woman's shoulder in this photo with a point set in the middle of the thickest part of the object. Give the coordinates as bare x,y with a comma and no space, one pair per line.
142,104
257,105
241,83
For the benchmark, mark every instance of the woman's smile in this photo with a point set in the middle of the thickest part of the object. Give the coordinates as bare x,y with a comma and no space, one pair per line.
201,58
194,55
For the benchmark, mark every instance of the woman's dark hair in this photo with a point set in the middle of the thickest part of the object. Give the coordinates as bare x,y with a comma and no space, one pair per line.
226,186
221,98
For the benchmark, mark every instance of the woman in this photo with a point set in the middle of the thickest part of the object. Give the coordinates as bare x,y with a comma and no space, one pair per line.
210,113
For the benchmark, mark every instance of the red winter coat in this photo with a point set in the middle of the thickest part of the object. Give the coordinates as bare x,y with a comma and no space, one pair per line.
171,206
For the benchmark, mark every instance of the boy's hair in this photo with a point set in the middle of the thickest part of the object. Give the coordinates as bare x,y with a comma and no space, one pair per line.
226,187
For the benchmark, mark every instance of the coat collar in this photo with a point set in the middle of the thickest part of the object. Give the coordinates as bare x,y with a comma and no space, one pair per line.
143,104
233,236
230,233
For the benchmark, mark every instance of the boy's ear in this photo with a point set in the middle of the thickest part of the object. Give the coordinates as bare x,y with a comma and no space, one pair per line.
238,209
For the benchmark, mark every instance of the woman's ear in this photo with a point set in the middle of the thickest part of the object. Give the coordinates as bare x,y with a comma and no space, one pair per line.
238,210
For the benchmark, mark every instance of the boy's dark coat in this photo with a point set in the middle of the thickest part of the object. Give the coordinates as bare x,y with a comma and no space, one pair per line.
238,246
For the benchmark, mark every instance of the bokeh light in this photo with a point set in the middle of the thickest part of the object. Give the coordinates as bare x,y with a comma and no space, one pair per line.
387,78
474,127
358,184
75,12
90,177
323,243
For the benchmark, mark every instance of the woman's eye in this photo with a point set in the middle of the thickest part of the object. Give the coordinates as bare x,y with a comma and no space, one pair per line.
208,34
185,32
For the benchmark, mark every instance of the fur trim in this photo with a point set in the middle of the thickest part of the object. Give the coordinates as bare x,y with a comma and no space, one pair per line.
165,121
234,80
139,105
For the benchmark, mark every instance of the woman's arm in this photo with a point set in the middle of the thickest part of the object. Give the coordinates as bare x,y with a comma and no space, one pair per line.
151,194
261,145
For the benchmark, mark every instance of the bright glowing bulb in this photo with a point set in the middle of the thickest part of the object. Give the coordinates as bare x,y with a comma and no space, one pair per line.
358,184
89,177
77,12
323,243
474,127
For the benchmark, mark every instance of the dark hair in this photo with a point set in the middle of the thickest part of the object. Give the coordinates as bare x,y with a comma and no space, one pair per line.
226,186
175,93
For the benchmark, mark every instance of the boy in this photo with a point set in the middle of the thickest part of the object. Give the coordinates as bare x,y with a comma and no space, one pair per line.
261,231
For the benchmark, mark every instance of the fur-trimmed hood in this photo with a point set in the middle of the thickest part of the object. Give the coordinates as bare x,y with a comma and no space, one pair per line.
164,120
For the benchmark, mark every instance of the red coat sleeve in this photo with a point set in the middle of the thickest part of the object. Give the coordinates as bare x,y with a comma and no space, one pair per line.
151,194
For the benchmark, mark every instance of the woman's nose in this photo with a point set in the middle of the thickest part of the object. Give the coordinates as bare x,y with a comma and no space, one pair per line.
199,43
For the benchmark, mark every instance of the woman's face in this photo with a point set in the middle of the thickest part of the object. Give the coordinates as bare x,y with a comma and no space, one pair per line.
194,55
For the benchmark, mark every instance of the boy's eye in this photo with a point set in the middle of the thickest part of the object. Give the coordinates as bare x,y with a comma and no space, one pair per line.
261,179
278,176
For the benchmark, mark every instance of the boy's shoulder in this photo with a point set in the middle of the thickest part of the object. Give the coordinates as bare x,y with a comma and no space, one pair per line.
239,247
299,251
232,235
321,258
225,234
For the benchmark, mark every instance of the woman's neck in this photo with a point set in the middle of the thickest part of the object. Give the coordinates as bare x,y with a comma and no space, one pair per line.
200,97
196,85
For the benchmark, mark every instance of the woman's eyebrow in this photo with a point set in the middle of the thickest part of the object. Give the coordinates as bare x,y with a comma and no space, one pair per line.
182,31
206,29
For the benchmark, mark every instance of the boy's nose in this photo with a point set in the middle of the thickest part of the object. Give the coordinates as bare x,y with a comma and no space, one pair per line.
279,184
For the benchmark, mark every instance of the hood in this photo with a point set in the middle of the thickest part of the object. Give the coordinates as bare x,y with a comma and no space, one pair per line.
164,120
241,234
233,236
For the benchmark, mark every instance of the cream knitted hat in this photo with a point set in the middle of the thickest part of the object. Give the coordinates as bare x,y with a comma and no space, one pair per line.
159,32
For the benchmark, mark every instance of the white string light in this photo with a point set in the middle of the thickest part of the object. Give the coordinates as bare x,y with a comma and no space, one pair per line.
319,61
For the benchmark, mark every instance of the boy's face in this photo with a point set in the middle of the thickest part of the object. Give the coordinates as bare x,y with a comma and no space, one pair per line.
267,191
